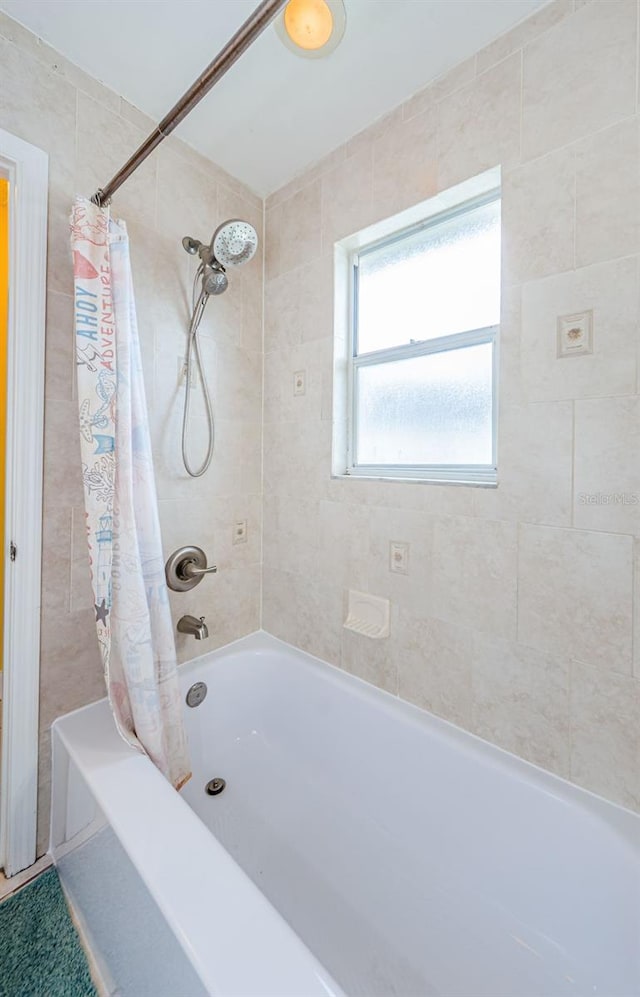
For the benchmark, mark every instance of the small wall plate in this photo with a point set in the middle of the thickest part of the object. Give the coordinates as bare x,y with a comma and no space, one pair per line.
399,557
575,334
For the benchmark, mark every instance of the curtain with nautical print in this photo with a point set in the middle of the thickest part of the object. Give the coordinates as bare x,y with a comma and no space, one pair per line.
133,621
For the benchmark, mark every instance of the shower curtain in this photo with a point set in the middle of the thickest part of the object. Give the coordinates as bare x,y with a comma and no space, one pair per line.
133,621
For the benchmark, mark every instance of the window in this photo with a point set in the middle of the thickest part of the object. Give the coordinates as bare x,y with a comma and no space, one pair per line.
425,304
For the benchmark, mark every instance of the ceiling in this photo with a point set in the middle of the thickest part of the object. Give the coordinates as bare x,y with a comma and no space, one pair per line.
274,113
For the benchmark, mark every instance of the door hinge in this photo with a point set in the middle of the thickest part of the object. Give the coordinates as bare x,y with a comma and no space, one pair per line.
13,551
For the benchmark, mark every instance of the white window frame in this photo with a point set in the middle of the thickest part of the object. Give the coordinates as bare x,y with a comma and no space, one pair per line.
456,201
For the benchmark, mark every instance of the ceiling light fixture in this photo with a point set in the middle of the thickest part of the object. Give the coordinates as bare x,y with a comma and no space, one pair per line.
312,28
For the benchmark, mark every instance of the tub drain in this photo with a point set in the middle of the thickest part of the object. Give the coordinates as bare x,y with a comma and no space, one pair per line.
196,694
214,786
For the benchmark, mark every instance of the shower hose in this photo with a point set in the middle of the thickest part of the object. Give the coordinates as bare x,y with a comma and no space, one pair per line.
193,353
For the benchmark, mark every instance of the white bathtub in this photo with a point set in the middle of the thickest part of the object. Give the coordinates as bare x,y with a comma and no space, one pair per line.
361,847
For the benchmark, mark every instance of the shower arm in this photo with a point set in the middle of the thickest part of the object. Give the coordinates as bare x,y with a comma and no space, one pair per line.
239,43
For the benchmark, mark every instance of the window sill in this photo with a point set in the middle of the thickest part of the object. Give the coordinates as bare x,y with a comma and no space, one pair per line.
485,482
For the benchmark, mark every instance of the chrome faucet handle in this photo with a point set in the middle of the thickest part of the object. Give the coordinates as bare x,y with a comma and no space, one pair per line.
189,570
186,567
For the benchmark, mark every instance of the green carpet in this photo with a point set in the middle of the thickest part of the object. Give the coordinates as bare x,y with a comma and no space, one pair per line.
40,954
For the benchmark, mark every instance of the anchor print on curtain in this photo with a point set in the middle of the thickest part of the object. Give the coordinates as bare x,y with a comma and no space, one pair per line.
133,620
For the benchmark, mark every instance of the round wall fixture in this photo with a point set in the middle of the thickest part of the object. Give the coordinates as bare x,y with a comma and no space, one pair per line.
312,28
186,567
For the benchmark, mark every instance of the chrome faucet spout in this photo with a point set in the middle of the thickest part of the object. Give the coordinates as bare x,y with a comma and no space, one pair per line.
193,626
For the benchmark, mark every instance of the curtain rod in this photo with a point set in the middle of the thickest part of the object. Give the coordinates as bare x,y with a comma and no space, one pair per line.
252,27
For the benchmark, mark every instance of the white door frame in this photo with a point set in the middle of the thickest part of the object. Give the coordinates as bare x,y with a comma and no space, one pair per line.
27,169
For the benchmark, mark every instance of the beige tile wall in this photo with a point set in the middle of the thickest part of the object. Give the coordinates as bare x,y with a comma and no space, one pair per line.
516,619
88,132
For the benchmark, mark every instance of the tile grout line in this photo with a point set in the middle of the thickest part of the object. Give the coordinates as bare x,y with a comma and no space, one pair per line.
575,210
71,523
521,118
262,419
637,53
573,464
634,585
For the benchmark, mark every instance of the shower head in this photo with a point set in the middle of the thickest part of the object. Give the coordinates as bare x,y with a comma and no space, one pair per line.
214,281
234,242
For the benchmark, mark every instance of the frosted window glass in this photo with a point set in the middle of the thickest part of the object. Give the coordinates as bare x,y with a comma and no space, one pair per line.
432,409
434,282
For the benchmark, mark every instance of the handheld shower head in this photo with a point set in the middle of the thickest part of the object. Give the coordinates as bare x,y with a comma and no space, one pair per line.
213,281
234,242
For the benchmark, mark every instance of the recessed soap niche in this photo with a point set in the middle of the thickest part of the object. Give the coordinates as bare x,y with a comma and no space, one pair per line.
367,615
